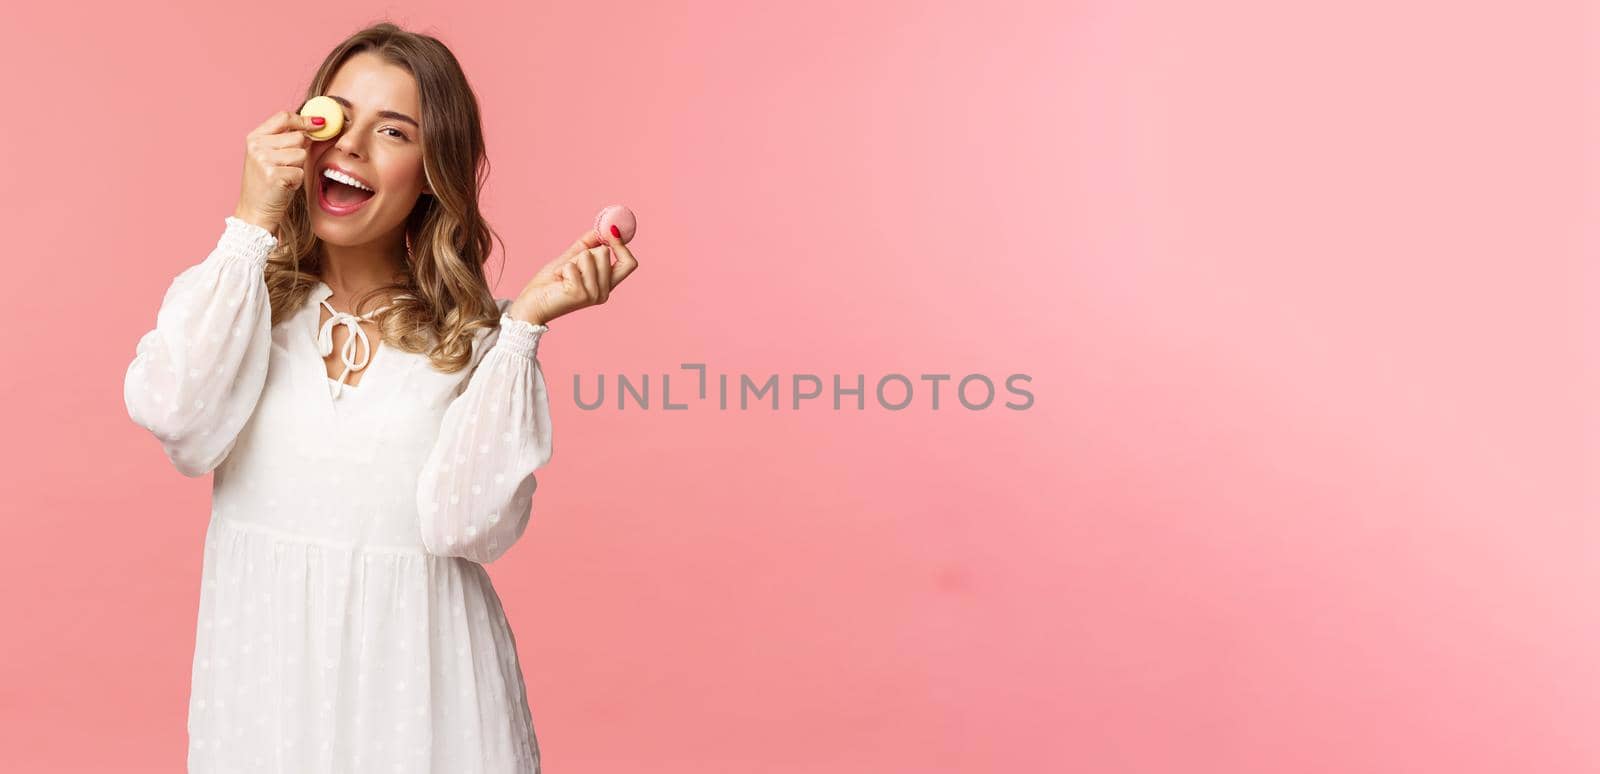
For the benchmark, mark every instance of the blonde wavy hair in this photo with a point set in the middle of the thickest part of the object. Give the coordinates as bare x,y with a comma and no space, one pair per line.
445,297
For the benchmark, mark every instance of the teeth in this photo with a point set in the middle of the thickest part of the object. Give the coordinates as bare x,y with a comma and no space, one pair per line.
334,174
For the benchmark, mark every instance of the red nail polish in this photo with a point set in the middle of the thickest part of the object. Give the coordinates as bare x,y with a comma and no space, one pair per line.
615,232
318,120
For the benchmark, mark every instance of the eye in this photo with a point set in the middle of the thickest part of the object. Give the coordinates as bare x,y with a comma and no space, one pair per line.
397,132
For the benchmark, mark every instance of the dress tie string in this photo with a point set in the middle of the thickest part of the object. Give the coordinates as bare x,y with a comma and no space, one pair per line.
347,353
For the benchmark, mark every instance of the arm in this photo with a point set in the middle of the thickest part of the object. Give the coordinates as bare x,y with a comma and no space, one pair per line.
196,377
475,493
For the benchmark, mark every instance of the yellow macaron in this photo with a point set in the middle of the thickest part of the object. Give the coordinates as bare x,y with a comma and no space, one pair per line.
330,111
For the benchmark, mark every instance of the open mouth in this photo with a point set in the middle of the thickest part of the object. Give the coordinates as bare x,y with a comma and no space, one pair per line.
341,194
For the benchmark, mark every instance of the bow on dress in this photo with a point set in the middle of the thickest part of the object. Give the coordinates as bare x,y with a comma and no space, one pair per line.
347,353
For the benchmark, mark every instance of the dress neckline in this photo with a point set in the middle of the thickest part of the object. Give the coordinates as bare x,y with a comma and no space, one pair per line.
358,351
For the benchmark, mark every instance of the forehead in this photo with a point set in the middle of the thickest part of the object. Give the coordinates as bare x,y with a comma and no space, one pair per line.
371,83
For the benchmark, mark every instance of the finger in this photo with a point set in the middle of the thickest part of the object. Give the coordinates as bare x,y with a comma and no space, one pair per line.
288,157
287,177
287,140
602,270
587,268
572,286
626,263
285,121
584,242
275,123
588,240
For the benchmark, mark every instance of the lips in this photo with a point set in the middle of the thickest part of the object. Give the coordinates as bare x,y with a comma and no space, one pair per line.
338,199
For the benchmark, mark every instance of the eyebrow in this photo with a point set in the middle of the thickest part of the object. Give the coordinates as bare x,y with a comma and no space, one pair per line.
382,113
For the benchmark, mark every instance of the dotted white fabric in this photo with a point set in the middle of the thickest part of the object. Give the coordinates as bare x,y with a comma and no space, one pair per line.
346,622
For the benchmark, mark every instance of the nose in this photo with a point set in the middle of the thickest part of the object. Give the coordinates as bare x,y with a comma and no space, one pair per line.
348,142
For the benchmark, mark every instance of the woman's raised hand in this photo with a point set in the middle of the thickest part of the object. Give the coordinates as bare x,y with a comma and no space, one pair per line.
274,168
582,276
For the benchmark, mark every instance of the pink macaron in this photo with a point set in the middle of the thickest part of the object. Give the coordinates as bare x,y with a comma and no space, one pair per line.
619,216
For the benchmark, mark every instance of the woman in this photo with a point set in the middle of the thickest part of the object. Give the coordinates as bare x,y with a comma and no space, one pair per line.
367,464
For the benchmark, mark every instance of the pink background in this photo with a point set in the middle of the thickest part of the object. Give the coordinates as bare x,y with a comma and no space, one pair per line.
1308,485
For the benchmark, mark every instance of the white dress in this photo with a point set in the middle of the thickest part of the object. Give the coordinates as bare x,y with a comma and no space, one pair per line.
346,623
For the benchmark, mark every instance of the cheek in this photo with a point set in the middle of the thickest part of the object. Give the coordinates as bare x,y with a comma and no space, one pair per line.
315,153
403,176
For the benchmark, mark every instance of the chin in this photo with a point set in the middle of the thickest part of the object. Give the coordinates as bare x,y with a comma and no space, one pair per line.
345,232
341,234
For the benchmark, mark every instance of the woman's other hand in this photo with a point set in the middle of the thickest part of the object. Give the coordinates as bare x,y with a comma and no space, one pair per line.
582,276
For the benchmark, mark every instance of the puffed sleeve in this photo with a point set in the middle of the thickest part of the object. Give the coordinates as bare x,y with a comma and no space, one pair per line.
196,377
475,494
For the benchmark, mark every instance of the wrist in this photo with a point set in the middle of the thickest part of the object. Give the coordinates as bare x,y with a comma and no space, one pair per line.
255,220
526,313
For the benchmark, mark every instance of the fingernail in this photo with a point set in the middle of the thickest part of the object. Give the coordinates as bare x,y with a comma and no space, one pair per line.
615,232
318,120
